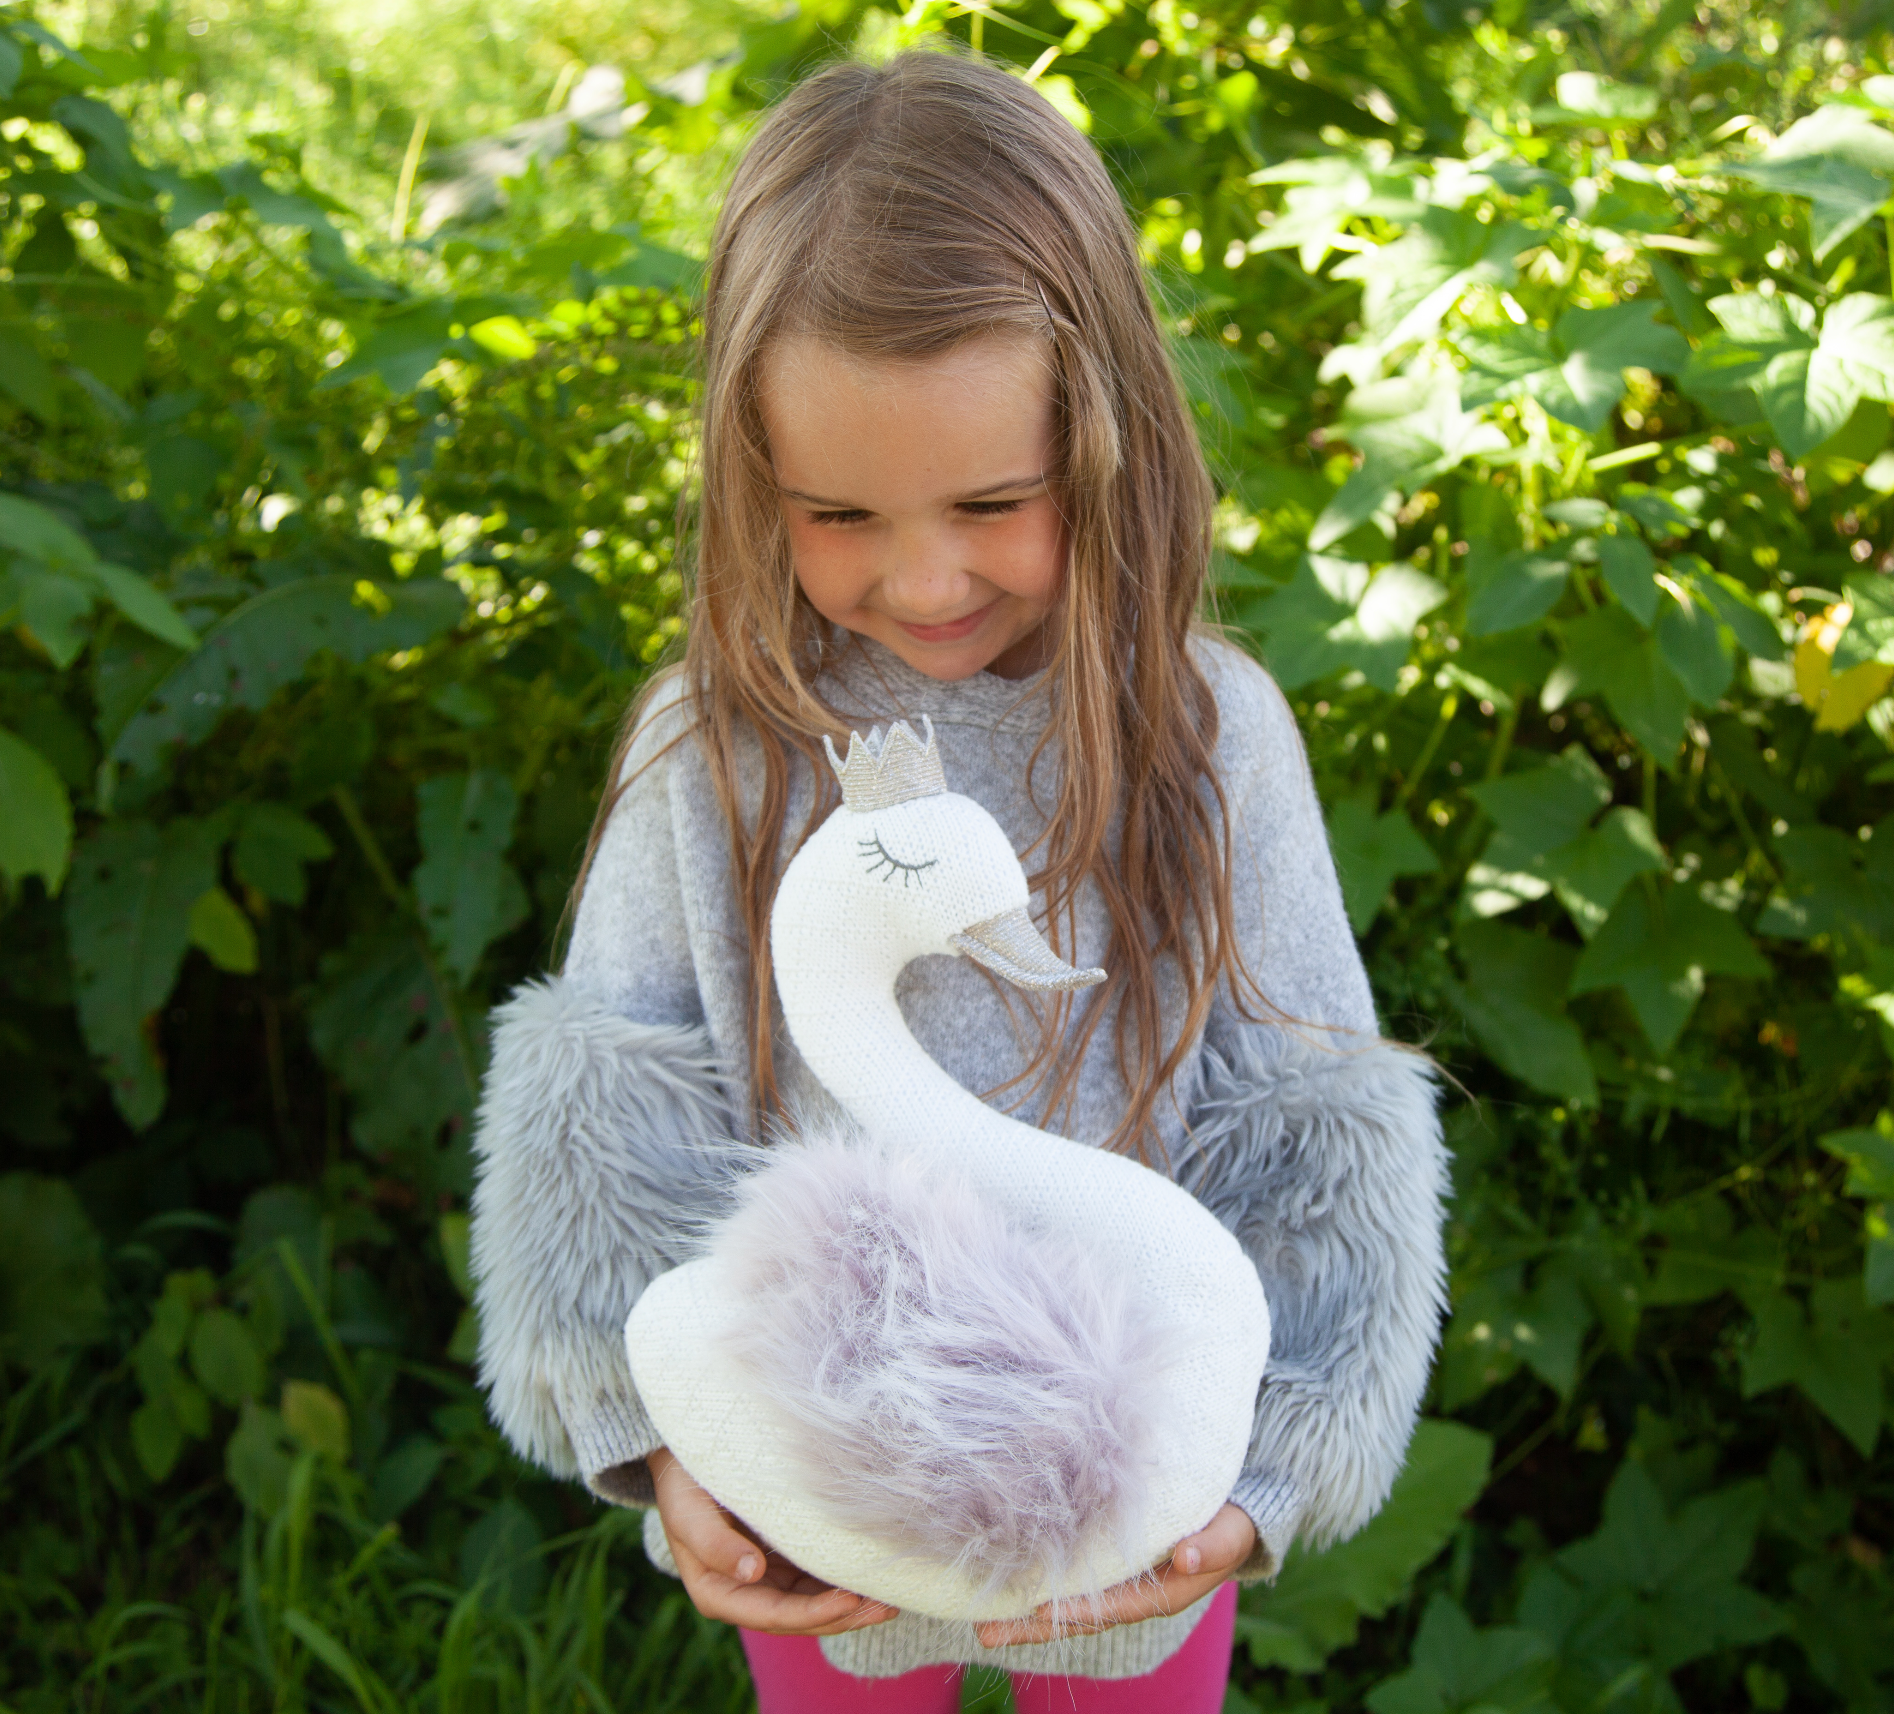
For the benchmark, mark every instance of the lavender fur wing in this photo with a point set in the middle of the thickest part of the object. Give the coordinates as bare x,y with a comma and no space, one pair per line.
972,1395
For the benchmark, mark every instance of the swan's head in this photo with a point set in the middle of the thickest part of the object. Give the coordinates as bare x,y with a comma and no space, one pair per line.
907,868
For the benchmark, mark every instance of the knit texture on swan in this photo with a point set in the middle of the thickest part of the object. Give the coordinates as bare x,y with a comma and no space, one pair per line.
972,1394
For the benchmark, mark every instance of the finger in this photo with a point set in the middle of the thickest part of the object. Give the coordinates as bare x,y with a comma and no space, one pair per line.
1221,1545
1163,1591
783,1613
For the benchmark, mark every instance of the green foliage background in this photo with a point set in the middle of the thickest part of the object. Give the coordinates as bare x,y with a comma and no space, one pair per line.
1544,353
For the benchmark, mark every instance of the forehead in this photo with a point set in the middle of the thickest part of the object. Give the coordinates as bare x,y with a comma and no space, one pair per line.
865,430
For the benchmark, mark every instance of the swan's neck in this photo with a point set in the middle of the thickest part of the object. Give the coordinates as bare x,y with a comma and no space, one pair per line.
851,1034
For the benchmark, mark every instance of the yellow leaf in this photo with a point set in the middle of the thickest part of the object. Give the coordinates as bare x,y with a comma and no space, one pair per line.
317,1418
1852,694
1837,702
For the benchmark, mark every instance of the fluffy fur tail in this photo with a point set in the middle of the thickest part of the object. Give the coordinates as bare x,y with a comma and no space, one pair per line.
973,1395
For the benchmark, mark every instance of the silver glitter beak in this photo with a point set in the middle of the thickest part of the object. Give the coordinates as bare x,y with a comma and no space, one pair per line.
1010,946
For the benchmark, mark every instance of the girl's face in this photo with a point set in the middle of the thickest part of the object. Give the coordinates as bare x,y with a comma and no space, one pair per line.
916,501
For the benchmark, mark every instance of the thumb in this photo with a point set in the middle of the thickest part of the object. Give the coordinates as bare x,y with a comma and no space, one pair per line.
696,1523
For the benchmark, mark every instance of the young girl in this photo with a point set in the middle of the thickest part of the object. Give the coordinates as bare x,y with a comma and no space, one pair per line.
946,472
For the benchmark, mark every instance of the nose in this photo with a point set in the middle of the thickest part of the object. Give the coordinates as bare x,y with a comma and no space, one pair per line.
925,578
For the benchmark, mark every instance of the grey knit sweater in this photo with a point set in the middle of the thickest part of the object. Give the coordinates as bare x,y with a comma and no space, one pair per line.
1317,1146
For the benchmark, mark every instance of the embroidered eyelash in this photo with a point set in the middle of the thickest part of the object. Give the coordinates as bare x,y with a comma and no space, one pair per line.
884,858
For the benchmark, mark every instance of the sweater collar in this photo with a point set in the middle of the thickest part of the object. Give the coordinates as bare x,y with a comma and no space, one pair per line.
869,681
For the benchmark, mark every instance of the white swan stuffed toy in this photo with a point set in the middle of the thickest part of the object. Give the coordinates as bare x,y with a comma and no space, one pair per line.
945,1360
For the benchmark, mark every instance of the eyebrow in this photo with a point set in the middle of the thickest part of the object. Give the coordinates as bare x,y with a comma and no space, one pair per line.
1037,480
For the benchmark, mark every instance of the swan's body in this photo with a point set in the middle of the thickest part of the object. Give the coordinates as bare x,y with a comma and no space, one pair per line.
873,889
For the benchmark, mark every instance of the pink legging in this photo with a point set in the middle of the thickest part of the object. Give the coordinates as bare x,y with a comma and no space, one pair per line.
792,1677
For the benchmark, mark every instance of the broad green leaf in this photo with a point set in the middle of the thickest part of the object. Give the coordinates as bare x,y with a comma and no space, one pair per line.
316,1419
25,376
54,608
1317,1603
1586,95
1840,160
1609,652
1691,643
1630,573
157,1438
381,1027
1739,609
223,933
128,921
1652,1588
1659,952
29,528
253,651
1511,590
456,1236
1834,1353
1546,806
403,1476
1514,1002
1808,382
225,1358
1869,635
467,892
1591,872
1576,371
1870,1158
52,1271
501,1555
257,1459
143,605
35,816
1337,615
1370,851
1498,1324
1836,884
504,337
1707,1255
1459,1670
272,846
401,349
1408,430
1410,285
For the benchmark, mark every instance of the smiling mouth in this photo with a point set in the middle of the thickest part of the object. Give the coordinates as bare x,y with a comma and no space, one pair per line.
951,632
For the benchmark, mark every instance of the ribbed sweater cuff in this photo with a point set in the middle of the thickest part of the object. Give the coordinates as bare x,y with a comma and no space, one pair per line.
1273,1503
611,1438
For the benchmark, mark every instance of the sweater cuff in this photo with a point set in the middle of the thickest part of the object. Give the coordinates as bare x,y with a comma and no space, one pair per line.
611,1438
1273,1503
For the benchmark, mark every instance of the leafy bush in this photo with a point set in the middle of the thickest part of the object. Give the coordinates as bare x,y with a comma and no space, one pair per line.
1548,389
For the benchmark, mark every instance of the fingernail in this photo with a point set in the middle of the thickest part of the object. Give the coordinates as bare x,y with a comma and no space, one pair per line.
746,1567
1192,1559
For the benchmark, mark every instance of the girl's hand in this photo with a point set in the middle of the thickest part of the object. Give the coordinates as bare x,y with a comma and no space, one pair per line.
729,1576
1196,1566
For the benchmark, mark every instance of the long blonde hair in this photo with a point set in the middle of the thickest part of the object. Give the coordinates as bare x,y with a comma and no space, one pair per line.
895,212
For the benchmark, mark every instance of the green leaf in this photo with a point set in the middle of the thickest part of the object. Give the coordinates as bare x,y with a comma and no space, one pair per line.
1659,952
1836,884
1511,590
1739,609
1652,1589
1630,573
259,647
143,605
1408,430
1691,643
501,1555
1834,1354
400,349
257,1459
52,1271
225,1357
1807,383
35,816
1498,1324
223,933
1336,615
1544,807
29,528
1318,1602
24,374
1592,871
381,1027
1459,1670
1609,652
53,608
1840,160
369,1692
157,1438
273,843
456,1237
1586,95
1870,632
316,1419
403,1476
1410,285
467,892
1370,851
1514,1002
128,921
1576,371
1870,1158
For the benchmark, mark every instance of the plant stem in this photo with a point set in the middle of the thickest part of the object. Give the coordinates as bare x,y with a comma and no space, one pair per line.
1448,707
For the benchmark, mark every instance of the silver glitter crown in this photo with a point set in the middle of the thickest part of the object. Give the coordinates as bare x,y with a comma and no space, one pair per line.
883,770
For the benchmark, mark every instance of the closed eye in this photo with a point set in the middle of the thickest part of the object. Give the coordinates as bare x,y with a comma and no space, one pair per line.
883,862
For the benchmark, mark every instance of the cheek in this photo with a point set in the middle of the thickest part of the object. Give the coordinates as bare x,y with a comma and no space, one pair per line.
828,567
1033,553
